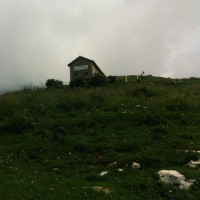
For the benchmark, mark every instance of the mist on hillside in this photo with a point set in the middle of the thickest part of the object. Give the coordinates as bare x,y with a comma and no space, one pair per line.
39,38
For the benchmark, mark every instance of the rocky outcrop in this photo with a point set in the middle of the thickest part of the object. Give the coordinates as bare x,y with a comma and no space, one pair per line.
175,178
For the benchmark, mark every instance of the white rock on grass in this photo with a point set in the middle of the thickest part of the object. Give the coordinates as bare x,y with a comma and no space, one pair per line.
175,178
135,165
112,164
187,184
194,163
187,151
105,190
120,170
103,173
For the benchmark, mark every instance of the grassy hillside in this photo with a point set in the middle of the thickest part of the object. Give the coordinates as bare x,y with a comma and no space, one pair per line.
55,143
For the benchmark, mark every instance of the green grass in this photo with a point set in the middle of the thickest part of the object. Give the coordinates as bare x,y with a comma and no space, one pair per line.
54,143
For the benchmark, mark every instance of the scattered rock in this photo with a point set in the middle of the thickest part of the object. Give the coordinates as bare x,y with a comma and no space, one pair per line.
194,163
120,170
112,164
135,165
105,190
188,151
175,178
99,189
103,173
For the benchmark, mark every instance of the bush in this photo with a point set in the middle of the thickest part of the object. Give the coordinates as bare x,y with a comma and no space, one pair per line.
78,82
112,79
52,83
98,80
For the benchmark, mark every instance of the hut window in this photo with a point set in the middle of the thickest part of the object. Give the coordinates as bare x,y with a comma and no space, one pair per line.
76,74
86,73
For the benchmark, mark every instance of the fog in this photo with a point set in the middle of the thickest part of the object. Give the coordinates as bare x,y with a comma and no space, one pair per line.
124,37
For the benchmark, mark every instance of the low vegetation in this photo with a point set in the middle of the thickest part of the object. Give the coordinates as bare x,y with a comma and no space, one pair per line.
95,81
54,143
52,83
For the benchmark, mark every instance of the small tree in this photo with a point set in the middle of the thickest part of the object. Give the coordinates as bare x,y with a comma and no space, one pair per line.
98,80
78,82
112,79
52,83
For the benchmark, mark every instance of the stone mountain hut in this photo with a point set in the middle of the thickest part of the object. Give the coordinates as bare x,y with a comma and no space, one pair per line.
83,67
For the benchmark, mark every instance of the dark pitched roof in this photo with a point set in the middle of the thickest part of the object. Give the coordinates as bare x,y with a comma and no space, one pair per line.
87,60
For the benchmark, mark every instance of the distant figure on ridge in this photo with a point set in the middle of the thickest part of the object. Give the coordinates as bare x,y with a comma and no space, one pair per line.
142,76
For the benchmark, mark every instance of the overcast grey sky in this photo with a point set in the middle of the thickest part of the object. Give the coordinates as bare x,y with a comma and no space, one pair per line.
38,38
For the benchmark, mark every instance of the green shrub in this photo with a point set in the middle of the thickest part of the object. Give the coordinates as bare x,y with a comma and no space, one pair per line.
52,83
112,79
78,82
98,80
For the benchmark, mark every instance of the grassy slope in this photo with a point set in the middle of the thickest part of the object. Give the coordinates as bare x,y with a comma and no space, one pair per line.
54,143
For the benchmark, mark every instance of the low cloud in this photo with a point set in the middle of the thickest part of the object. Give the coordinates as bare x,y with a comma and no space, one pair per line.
39,38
